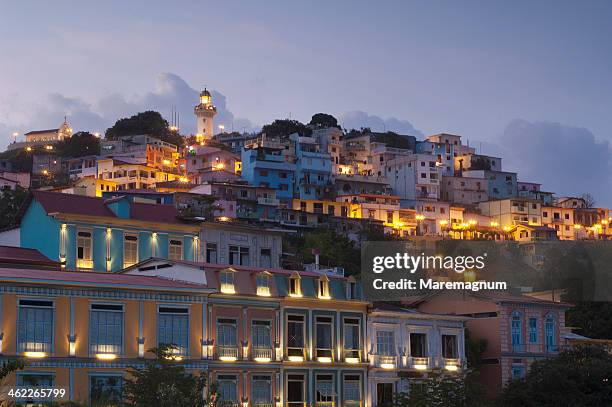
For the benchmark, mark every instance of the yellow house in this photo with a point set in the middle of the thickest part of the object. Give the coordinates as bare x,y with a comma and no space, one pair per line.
129,175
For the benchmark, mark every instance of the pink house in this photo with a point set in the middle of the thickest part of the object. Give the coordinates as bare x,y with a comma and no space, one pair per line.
518,329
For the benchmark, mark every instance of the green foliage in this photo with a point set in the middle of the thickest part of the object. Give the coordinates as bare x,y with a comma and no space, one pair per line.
149,122
335,249
202,206
480,163
443,390
283,128
473,350
323,120
579,377
164,382
593,318
393,140
80,144
10,203
21,160
10,366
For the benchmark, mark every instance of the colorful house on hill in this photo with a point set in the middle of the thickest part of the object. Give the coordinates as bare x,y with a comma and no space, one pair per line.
95,234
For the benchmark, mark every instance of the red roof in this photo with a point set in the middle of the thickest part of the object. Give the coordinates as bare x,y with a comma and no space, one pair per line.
20,255
94,278
86,205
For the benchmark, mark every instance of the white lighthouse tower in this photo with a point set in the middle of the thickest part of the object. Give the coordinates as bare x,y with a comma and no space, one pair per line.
205,113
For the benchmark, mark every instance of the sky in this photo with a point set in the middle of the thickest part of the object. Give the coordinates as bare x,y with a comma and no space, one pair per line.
530,81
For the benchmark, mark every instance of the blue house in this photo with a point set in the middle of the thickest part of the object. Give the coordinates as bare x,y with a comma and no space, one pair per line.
443,153
268,165
97,234
313,172
502,184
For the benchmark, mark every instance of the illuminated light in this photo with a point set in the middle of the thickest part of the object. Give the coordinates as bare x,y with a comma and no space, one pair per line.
141,349
15,134
72,346
227,358
295,295
221,127
506,228
1,341
28,148
97,135
387,366
494,224
420,367
35,355
263,291
472,222
262,360
183,179
154,235
604,222
228,289
223,218
106,356
577,226
443,222
296,358
219,166
451,368
352,360
324,359
166,162
176,358
420,217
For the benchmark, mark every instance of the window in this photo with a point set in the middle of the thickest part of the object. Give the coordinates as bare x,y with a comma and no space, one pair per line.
265,258
176,249
226,277
352,389
518,372
384,394
35,326
418,345
130,250
389,216
549,333
262,281
516,328
211,253
173,328
385,343
533,330
227,386
227,339
261,335
261,390
106,329
45,380
295,286
330,210
263,173
84,259
296,394
323,285
239,256
324,388
351,338
351,294
295,335
449,347
105,390
323,327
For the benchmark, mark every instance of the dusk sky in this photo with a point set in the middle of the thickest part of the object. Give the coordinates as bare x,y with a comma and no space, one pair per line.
530,81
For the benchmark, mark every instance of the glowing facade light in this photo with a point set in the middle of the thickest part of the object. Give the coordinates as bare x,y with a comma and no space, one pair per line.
106,356
262,360
451,368
324,359
227,358
420,217
387,366
35,355
420,367
296,358
352,361
443,222
72,345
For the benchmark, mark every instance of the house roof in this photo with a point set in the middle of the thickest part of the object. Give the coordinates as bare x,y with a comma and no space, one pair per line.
20,255
54,202
86,278
41,131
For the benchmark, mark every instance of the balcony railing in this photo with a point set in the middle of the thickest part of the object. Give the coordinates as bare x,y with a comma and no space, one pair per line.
228,403
325,403
262,353
296,353
451,363
385,361
267,201
34,347
84,264
352,356
418,362
263,404
227,352
296,404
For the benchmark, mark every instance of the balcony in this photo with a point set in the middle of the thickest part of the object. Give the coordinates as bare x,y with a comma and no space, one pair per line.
227,353
262,354
296,404
228,403
352,356
451,364
263,404
84,264
418,363
267,201
324,404
385,361
296,354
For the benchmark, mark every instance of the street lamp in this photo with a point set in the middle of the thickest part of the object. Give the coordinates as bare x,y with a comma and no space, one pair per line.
15,134
221,128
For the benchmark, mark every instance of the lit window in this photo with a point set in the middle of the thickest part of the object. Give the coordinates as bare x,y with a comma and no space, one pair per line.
175,250
263,284
173,328
84,259
130,250
106,329
295,285
323,287
35,326
227,281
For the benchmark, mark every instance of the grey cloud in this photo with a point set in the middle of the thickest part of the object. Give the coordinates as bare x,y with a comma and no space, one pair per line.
566,160
356,119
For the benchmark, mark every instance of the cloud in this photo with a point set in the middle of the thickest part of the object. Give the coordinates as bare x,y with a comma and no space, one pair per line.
170,91
356,119
566,160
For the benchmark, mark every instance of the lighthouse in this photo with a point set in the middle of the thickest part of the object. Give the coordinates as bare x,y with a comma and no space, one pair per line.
205,113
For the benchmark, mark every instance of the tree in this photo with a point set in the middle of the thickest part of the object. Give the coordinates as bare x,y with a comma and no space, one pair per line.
589,200
480,163
80,144
593,317
283,128
335,249
10,203
164,382
10,366
323,120
580,376
473,350
149,122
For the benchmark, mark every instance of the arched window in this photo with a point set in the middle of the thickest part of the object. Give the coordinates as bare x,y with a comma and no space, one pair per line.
549,333
516,329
